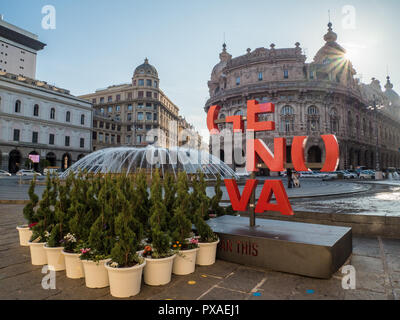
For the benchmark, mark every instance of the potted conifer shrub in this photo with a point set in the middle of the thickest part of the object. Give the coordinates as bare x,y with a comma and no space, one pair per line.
126,266
82,210
185,261
96,252
45,218
208,240
25,231
159,256
54,247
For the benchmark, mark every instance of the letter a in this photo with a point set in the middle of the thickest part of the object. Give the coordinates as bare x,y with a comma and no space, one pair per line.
239,203
282,204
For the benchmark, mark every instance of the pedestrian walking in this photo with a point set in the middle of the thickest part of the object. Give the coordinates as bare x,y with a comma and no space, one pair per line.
289,177
295,178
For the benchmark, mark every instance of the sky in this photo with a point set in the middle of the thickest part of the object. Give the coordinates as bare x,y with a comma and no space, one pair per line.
97,43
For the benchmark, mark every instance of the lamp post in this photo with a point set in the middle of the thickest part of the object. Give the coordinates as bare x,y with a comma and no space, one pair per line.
375,107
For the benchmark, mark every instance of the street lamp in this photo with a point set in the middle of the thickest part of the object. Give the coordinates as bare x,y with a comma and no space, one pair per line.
375,107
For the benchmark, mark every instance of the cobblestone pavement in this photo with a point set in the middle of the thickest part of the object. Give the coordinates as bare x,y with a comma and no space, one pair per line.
376,261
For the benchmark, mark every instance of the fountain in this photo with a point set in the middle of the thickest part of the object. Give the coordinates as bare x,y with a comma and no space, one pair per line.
130,159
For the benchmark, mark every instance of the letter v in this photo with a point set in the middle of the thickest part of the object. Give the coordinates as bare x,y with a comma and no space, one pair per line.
239,203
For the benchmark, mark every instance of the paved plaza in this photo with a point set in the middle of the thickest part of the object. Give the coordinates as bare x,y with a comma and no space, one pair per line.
376,261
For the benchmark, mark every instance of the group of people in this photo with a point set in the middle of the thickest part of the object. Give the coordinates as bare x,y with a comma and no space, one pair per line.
293,178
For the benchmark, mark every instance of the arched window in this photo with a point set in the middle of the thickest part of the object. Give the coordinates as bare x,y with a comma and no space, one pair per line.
312,119
68,117
52,113
18,106
238,113
36,110
334,120
312,110
287,119
287,110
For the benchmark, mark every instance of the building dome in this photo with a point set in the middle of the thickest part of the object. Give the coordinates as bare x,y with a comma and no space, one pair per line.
146,69
331,47
390,93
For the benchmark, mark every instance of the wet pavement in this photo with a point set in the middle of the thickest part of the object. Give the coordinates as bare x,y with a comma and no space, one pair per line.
376,261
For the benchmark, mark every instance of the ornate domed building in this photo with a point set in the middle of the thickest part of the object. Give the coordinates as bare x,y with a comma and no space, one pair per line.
321,97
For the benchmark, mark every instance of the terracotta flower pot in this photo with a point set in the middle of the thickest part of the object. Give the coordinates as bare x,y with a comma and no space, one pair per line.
55,258
96,275
185,262
157,272
73,265
125,282
38,254
207,253
25,233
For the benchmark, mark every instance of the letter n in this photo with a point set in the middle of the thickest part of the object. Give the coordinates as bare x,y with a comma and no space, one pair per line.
239,203
275,162
282,204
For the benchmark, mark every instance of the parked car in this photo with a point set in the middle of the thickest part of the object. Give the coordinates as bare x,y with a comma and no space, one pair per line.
25,172
367,174
4,173
348,175
52,170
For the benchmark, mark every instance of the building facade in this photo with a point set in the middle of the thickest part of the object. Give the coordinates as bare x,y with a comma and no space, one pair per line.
18,50
311,99
40,119
134,114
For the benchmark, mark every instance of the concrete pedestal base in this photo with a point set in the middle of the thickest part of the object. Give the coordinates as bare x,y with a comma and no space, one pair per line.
300,248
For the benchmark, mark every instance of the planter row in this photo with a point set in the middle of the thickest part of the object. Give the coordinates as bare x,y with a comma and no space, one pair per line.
123,282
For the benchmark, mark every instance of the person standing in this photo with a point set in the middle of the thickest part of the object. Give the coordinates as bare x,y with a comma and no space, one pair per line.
290,178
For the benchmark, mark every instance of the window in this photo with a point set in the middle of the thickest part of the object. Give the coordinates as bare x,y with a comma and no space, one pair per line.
94,100
112,139
148,94
285,74
128,128
155,95
118,128
313,119
68,116
287,110
313,110
102,100
148,83
118,108
109,99
140,116
238,81
16,135
334,120
82,143
100,137
140,105
155,116
82,119
140,94
113,126
141,82
129,95
110,109
94,135
52,113
148,127
51,138
155,84
107,125
129,116
130,108
128,140
138,139
107,138
134,82
102,110
18,106
36,110
148,105
148,116
118,97
311,75
67,141
260,76
101,124
139,127
118,139
35,136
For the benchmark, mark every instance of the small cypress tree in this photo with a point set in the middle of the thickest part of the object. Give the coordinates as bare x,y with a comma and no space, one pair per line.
216,199
44,214
129,234
159,227
169,193
180,223
29,209
143,203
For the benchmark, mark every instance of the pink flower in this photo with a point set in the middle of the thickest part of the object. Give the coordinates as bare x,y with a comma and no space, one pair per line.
32,225
86,250
194,241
